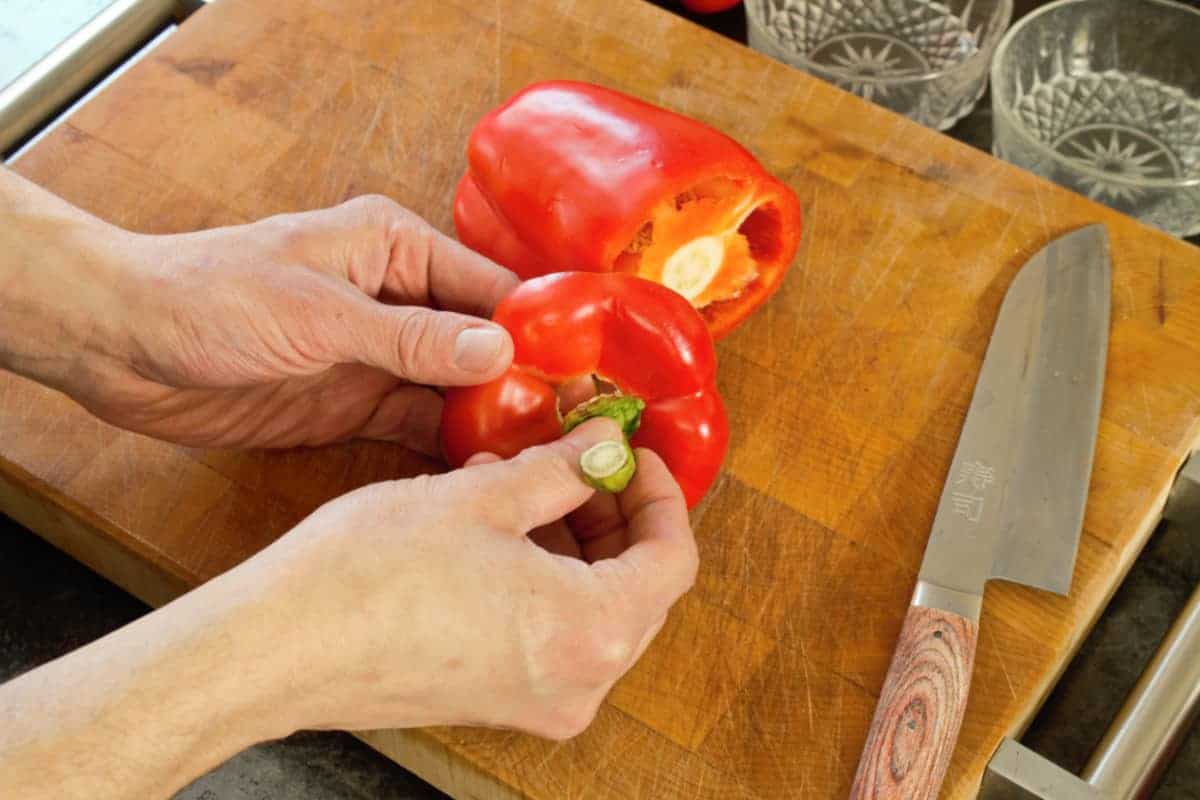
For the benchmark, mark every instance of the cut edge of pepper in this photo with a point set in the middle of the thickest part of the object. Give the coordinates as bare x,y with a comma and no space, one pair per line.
757,220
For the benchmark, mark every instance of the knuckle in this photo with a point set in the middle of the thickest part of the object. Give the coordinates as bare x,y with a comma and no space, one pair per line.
575,652
569,719
595,651
400,224
286,234
377,207
412,244
416,339
575,646
608,651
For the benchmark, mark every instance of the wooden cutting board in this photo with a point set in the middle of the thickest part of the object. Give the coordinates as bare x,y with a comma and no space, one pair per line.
846,393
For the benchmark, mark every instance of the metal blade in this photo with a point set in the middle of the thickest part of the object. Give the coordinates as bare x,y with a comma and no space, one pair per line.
1012,506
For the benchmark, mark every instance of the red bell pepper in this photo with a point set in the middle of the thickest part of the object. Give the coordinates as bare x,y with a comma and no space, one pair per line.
708,6
574,176
635,334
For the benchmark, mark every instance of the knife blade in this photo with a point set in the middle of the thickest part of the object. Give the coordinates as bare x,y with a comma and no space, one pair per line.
1011,508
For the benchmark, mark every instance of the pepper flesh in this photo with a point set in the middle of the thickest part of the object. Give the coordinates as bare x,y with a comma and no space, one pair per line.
636,335
575,175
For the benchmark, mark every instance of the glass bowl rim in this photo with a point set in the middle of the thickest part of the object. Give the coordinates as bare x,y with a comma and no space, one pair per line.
1006,8
1002,109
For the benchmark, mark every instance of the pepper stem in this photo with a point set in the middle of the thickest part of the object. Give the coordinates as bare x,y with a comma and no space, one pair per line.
608,466
626,409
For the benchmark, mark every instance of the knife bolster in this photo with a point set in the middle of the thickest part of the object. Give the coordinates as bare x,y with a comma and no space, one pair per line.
963,604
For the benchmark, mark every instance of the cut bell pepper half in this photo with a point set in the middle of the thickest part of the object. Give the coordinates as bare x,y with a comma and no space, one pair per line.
570,175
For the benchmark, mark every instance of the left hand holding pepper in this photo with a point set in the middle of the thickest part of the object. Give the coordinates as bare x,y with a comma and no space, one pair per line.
300,329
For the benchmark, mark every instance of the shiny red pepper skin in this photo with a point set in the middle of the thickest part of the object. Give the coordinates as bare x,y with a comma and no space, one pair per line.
708,6
634,333
566,175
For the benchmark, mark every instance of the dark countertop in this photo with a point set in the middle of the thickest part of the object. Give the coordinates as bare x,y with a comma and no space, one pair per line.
49,605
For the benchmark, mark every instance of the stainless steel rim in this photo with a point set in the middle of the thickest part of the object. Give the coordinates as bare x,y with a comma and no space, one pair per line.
99,45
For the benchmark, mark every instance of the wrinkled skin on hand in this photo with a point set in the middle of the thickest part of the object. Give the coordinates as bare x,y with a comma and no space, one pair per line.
300,329
506,593
541,632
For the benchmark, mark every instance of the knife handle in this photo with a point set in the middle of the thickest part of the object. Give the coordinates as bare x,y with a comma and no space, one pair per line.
920,708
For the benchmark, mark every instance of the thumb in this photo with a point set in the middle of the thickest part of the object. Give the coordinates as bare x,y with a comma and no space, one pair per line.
439,348
539,485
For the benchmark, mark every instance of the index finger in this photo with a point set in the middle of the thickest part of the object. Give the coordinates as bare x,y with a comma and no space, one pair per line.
661,561
462,280
372,234
429,267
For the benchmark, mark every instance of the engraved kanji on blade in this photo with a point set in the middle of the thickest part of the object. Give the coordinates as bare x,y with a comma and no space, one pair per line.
974,477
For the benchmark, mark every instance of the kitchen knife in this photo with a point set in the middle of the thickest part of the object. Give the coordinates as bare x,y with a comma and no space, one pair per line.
1012,506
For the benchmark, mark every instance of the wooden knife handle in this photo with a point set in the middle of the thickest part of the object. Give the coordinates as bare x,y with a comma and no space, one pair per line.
920,708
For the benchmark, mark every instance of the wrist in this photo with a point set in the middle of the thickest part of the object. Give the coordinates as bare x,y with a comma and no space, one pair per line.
230,656
317,653
209,676
62,274
144,710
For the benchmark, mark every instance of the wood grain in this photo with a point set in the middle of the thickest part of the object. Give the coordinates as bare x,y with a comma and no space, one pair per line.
846,392
915,727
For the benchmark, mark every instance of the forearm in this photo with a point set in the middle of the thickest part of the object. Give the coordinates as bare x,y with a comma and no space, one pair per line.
60,283
149,707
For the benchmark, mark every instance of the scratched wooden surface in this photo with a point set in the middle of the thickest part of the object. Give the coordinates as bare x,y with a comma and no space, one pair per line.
846,393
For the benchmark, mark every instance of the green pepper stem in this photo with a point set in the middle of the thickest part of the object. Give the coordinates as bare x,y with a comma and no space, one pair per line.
626,409
608,466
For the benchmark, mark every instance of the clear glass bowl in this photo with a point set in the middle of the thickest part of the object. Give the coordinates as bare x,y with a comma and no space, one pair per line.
924,59
1103,97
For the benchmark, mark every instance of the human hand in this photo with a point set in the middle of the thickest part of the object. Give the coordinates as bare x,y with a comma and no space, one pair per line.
505,594
409,603
424,601
299,329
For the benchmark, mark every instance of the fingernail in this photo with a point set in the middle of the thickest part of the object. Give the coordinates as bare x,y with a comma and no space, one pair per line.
476,349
